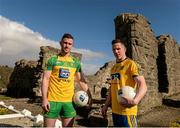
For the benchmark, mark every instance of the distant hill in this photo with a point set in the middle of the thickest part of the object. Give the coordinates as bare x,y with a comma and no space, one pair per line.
5,73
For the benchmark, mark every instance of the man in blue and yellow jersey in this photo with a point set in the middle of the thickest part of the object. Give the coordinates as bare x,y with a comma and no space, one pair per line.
124,73
58,85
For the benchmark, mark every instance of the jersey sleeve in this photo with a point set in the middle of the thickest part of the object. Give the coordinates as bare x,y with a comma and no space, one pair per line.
50,63
78,65
134,69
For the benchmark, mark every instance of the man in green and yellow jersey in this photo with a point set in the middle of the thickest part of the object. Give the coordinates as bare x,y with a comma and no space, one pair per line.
58,85
124,73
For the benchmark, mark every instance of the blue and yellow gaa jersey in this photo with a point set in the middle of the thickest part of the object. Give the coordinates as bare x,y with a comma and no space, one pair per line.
122,74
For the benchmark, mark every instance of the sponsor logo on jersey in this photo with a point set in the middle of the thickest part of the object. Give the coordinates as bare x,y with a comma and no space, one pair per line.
115,76
64,73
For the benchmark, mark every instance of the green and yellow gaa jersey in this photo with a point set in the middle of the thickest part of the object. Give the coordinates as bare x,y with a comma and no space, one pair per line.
122,74
61,82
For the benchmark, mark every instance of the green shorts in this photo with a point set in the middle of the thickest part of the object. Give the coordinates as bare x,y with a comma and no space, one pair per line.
60,109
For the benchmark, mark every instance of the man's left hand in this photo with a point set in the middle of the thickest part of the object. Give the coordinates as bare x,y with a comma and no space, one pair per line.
128,102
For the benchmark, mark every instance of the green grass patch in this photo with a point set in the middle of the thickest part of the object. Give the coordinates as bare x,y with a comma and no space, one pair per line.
175,123
3,97
3,111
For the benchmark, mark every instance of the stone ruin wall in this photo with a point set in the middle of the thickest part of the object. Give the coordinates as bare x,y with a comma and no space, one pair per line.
142,46
23,79
99,80
26,78
168,65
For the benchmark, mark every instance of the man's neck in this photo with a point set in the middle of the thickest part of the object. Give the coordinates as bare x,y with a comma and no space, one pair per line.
64,54
121,59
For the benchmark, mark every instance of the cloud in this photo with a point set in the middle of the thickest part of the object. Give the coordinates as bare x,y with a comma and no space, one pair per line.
88,54
90,69
19,42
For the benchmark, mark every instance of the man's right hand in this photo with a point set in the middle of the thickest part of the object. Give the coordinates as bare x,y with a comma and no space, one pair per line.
45,105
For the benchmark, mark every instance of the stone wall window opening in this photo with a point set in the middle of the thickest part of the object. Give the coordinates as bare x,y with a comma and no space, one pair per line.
104,91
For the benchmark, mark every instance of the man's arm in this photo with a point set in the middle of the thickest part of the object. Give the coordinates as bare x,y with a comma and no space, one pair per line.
83,85
108,99
81,81
44,90
141,89
107,103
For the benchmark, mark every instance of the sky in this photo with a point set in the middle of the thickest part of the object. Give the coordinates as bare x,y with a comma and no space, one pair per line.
25,25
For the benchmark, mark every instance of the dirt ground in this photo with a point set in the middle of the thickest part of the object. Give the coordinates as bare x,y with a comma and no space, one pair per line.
162,116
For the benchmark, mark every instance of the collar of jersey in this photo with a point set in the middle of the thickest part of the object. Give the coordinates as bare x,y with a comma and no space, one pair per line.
119,61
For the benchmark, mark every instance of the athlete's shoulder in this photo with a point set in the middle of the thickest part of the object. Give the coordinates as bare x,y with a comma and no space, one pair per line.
133,62
136,64
75,59
129,61
53,58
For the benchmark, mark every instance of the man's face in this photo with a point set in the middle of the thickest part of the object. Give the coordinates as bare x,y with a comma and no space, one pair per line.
119,50
66,45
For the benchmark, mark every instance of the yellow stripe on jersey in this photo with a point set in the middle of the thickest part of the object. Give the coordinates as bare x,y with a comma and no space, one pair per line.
129,121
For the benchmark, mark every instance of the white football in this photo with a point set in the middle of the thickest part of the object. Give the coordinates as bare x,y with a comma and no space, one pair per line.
81,98
126,92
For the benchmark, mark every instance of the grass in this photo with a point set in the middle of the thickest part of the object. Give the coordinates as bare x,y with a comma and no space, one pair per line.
175,123
3,97
3,111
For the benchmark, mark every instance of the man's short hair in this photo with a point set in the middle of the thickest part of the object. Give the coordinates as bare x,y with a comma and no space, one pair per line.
118,41
67,35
